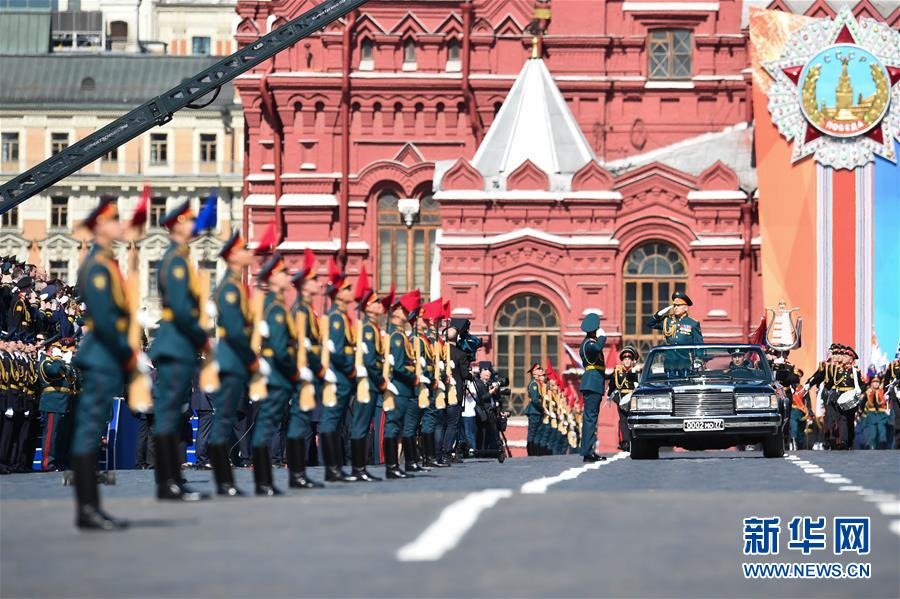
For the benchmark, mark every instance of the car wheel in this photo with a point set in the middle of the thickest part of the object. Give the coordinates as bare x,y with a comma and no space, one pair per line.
773,446
643,450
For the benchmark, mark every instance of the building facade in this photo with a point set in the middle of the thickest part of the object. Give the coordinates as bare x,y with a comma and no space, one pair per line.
49,102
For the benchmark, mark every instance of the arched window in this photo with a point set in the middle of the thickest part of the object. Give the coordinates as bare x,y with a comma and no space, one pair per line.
526,330
406,242
366,55
653,271
453,56
409,54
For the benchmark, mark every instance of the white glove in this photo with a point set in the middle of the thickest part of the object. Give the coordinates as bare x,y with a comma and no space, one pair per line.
422,361
452,381
211,309
67,357
452,364
365,349
331,348
306,375
361,371
27,412
424,380
664,311
806,387
330,376
263,327
265,369
393,388
441,386
143,363
440,365
307,344
144,319
8,413
391,359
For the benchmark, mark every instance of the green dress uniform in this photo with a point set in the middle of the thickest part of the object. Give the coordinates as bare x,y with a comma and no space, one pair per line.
54,379
175,351
432,417
403,377
534,412
374,362
592,384
342,348
237,362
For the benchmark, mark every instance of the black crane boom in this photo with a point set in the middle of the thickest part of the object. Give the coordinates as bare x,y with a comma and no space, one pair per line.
160,109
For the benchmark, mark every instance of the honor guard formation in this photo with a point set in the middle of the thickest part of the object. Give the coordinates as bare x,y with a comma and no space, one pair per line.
377,379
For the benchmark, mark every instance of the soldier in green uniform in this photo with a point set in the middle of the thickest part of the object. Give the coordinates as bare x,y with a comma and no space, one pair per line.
341,342
54,376
624,380
413,417
534,410
591,353
363,409
175,350
300,431
235,357
104,357
678,329
432,416
279,349
404,380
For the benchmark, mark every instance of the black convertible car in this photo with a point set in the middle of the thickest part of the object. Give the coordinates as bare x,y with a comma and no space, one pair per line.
707,397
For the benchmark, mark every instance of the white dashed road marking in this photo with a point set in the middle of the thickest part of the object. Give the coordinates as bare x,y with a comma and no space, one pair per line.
540,485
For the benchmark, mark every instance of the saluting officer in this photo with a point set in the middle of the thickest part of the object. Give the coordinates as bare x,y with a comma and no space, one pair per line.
54,378
175,351
235,357
591,352
678,329
279,349
363,409
104,357
300,429
534,410
624,380
342,350
403,376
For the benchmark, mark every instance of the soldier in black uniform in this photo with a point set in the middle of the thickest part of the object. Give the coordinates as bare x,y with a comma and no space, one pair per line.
838,376
624,380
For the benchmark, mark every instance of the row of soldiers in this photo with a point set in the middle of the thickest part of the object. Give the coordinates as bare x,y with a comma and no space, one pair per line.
32,305
554,424
289,359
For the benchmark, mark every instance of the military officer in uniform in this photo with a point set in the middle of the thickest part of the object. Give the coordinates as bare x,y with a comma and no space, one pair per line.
342,347
363,409
460,372
624,380
403,377
235,357
54,376
414,413
175,350
837,376
20,318
279,349
678,329
104,357
432,416
534,410
300,429
591,352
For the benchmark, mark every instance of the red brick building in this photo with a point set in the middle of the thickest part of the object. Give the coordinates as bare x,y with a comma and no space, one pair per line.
420,139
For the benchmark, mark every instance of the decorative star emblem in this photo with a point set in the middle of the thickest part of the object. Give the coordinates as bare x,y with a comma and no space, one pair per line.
800,113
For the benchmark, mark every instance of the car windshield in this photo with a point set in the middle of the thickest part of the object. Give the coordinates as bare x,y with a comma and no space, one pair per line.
734,363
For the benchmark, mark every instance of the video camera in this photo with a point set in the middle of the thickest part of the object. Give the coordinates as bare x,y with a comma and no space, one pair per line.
465,340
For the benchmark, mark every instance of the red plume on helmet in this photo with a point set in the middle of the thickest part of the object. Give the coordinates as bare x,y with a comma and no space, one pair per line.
336,279
267,241
410,302
141,212
446,309
433,311
363,290
388,300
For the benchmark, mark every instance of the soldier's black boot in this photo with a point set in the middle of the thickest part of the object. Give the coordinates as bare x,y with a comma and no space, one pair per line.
218,458
262,473
170,486
88,515
430,452
334,473
392,461
296,459
359,449
409,455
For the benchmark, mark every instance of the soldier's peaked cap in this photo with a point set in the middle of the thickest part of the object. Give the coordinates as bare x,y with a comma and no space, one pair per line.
628,352
682,296
271,266
177,214
307,271
234,242
591,322
105,210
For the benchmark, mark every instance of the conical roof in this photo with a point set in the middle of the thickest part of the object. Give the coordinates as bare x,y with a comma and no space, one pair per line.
534,123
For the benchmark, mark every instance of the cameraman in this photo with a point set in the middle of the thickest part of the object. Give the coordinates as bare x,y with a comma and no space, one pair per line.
487,404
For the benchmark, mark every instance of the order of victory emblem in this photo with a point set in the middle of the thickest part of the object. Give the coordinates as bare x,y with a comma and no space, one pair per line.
836,92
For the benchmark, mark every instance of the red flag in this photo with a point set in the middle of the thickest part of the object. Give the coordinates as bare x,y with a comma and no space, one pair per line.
612,357
140,213
388,300
447,311
363,290
267,241
758,337
432,311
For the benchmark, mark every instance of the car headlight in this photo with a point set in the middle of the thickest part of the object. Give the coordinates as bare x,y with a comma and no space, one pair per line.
756,402
654,403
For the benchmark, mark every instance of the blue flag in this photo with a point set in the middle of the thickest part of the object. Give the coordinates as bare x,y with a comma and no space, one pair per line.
206,219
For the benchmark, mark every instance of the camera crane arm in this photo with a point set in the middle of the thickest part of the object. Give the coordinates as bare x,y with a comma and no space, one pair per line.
160,109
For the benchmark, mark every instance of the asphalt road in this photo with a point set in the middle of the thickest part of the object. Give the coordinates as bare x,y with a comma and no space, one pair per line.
532,527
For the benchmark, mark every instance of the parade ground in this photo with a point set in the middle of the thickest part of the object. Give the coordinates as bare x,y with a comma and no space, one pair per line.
531,527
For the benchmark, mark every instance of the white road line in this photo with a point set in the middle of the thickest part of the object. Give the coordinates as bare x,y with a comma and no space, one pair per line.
445,532
887,504
539,485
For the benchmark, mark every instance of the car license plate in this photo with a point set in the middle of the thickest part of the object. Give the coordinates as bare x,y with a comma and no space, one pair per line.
697,425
